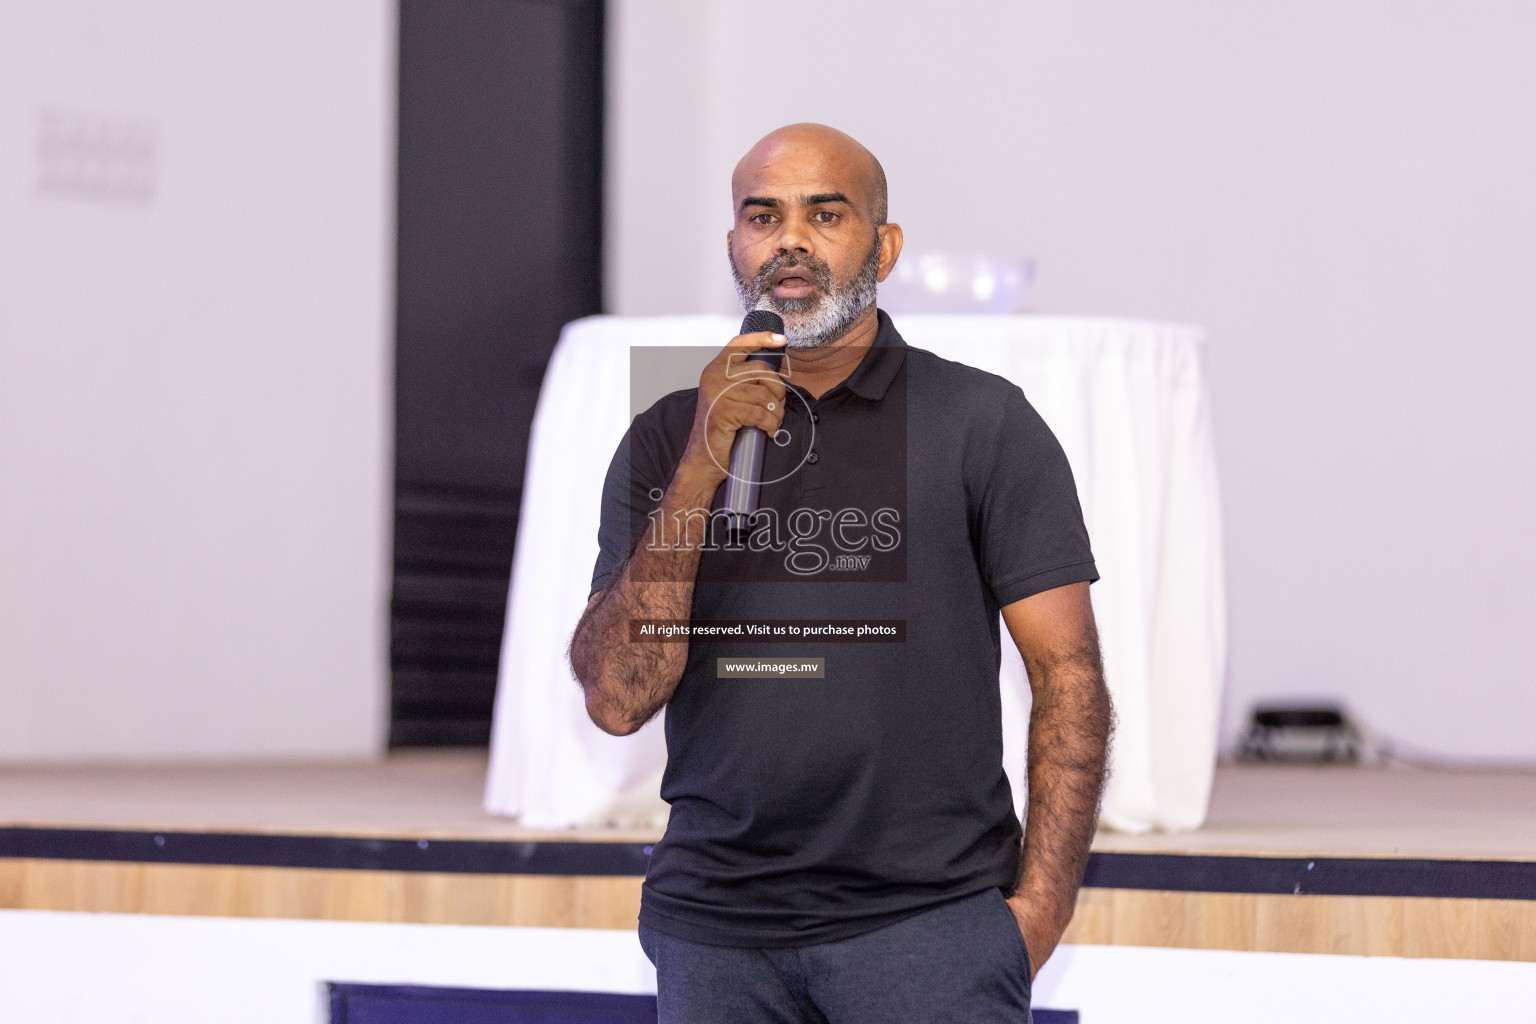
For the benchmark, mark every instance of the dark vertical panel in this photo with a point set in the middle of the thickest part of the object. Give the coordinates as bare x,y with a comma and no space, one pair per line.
499,245
585,82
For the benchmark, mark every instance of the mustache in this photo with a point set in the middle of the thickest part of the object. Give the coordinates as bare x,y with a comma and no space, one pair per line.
819,269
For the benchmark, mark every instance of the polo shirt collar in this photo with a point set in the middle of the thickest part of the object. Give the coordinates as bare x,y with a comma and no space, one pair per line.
872,377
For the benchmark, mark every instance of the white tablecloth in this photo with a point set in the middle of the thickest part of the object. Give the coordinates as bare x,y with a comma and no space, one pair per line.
1127,400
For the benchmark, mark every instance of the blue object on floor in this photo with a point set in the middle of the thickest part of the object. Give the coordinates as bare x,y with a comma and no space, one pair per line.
422,1004
1054,1016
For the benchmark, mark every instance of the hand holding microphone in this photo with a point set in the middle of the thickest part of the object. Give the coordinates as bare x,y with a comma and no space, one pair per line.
744,484
740,406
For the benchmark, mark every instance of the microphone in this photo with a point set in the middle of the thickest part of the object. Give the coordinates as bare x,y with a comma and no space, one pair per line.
745,480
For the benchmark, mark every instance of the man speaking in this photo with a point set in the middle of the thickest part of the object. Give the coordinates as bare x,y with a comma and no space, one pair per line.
842,845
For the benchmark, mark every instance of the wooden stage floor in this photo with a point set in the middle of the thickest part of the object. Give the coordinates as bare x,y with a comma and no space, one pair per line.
1393,861
1336,812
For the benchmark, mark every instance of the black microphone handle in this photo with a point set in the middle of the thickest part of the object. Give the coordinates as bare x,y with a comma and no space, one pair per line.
744,482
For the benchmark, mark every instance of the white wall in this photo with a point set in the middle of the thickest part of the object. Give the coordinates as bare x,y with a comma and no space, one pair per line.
62,968
195,265
1340,192
126,968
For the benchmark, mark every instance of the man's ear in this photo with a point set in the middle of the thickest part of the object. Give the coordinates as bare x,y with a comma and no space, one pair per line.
890,249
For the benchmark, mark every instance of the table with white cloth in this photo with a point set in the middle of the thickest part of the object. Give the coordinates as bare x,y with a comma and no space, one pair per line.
1126,398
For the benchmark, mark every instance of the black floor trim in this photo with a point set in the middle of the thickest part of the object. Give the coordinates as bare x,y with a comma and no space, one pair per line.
454,856
1315,876
1330,876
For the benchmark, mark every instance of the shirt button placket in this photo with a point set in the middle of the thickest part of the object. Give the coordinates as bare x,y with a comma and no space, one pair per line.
816,440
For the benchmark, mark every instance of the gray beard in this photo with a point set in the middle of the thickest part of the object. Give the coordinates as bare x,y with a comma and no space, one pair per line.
815,320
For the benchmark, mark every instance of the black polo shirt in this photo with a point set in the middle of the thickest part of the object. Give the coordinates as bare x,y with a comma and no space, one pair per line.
914,499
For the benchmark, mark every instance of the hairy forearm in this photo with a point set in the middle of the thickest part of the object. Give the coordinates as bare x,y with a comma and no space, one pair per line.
1069,731
627,682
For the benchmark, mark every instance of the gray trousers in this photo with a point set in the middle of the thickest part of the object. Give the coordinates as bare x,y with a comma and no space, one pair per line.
962,961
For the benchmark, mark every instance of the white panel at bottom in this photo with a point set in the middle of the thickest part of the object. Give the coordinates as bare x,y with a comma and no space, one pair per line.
1140,985
60,968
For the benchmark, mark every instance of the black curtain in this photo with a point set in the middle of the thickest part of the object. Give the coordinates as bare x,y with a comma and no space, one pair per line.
499,245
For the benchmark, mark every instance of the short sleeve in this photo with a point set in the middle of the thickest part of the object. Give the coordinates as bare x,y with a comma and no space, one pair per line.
1031,536
631,491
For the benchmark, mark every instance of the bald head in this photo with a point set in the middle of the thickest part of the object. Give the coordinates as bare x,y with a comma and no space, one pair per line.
810,239
814,151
